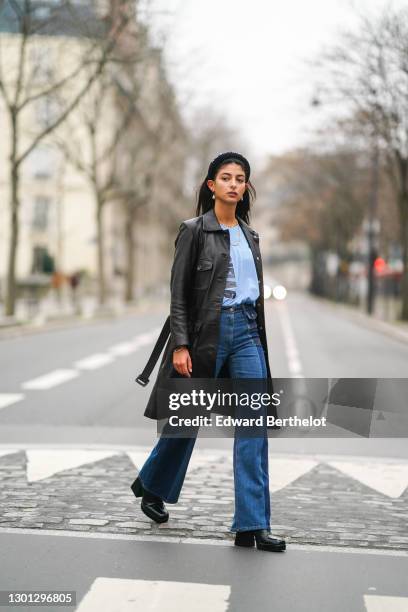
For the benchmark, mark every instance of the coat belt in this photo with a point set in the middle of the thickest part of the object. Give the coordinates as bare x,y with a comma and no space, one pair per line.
143,378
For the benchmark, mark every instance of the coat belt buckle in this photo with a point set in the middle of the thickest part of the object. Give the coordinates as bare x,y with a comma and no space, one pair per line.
250,311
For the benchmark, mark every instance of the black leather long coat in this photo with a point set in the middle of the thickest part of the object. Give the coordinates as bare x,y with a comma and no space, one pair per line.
197,283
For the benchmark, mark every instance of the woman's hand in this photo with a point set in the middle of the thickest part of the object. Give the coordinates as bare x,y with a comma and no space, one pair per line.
182,362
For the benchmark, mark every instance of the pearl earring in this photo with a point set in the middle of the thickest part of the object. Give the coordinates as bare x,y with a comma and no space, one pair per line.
213,196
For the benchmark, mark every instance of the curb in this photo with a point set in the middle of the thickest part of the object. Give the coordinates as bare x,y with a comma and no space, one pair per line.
72,321
229,543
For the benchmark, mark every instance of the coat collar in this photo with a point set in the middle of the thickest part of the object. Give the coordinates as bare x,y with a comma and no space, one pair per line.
211,224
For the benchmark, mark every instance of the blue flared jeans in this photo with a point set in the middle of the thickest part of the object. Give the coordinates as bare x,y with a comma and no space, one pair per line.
164,470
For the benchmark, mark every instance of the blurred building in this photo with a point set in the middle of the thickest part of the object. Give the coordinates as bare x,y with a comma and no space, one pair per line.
57,229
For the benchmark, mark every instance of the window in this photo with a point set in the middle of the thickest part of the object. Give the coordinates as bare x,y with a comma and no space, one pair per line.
40,213
41,162
42,57
46,110
43,262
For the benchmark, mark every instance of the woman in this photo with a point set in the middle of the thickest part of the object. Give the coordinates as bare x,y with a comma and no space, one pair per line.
217,329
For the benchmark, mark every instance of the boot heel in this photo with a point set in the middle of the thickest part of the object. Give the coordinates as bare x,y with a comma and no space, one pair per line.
245,538
137,488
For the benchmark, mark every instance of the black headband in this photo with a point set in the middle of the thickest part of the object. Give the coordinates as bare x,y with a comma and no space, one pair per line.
220,159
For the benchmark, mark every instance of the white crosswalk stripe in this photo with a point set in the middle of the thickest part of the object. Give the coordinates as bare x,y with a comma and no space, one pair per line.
283,472
45,463
389,478
384,603
124,595
139,457
9,451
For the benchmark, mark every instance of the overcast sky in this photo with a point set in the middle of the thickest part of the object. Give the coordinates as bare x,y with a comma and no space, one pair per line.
248,59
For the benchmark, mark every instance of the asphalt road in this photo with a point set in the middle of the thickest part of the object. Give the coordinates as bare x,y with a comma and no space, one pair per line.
113,575
74,388
76,385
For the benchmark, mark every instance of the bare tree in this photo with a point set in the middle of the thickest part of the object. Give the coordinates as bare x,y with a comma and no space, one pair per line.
320,200
29,82
367,71
154,153
90,144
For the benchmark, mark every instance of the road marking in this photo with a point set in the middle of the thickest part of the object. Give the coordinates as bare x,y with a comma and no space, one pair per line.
148,337
387,476
309,548
44,463
125,595
139,457
390,479
283,472
93,362
123,348
6,399
10,451
292,353
384,603
52,379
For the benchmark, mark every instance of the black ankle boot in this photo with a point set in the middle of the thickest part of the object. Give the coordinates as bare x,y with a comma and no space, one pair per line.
151,504
262,539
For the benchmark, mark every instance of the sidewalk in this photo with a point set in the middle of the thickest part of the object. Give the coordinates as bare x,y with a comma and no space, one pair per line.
11,327
320,500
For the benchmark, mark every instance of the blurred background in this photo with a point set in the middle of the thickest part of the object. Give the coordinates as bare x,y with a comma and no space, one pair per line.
111,111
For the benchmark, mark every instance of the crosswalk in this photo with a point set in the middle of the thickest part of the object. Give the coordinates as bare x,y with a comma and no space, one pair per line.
384,603
126,595
388,477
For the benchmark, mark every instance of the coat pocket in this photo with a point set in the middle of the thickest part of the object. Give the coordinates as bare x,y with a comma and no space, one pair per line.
204,264
203,274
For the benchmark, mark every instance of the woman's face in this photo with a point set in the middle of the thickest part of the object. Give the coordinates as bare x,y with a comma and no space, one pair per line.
229,185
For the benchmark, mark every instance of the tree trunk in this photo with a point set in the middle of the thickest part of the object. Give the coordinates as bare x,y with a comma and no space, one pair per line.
404,243
130,254
316,283
101,258
14,210
12,256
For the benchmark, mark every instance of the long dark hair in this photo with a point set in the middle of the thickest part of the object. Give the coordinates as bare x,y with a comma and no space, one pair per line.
205,200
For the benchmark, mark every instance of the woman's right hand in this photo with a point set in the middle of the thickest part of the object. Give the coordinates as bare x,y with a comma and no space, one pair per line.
182,362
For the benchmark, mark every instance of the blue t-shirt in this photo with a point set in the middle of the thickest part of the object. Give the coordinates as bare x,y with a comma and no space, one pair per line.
242,279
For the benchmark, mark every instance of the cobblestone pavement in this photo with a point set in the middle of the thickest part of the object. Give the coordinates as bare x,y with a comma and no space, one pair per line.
314,500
